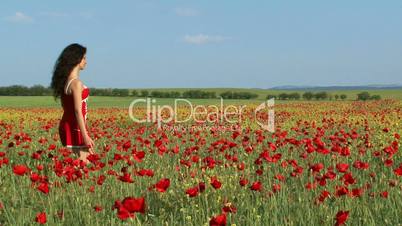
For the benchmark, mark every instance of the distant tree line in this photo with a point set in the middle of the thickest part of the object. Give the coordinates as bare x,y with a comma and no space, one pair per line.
198,94
109,92
39,90
307,96
18,90
238,95
367,96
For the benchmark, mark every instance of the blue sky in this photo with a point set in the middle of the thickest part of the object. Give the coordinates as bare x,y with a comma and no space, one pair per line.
226,43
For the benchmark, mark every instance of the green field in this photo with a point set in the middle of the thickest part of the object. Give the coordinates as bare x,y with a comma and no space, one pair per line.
262,93
102,102
124,102
326,159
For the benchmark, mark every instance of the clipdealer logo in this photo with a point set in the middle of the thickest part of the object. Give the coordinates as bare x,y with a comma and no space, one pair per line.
154,112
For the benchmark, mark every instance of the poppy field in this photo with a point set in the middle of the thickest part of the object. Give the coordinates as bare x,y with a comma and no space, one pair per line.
327,163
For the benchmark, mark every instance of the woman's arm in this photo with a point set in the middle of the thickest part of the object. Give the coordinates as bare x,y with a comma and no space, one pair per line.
76,89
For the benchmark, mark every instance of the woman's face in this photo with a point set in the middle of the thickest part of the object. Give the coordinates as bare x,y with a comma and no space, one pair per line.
83,62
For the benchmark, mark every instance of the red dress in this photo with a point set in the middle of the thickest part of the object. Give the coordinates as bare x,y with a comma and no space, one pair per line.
69,131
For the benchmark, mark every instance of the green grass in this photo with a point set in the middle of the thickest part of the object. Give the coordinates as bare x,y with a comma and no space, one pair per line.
124,102
292,205
262,93
101,102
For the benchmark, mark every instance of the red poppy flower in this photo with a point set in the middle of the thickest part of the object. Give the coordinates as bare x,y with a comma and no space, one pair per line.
324,194
162,185
40,167
241,166
256,186
341,217
345,151
123,214
20,170
91,189
127,144
138,156
126,178
134,204
357,192
317,167
93,158
51,147
360,165
348,179
280,177
342,167
398,171
215,183
341,191
101,179
41,218
44,188
192,192
219,220
35,177
276,187
388,162
145,172
243,182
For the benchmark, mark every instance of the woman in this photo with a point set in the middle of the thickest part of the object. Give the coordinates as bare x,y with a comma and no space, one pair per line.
74,94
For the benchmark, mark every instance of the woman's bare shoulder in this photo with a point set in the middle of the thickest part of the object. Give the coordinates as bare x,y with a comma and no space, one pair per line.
76,84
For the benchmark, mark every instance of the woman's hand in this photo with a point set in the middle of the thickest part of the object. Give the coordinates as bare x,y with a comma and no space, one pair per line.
89,143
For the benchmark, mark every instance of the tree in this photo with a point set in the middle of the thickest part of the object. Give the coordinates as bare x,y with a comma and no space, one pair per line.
375,97
155,93
244,95
134,93
236,95
363,96
336,96
211,94
175,94
144,93
227,95
283,96
120,92
308,95
321,95
294,96
38,90
193,94
343,96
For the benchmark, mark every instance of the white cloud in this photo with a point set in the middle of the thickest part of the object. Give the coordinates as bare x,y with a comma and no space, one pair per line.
186,12
20,17
203,39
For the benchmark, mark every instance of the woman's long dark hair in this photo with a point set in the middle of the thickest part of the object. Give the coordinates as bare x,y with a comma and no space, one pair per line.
68,59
